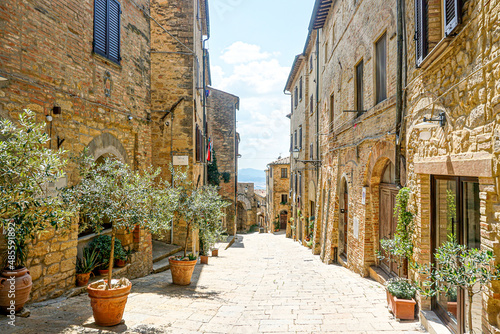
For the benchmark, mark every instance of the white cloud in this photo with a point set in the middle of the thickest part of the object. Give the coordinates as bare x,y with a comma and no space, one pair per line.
258,79
240,52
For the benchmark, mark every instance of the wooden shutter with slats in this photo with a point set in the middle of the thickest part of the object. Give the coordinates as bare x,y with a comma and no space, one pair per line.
100,35
452,15
114,31
421,33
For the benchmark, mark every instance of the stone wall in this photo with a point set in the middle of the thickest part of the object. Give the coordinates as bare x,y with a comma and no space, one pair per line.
47,58
176,81
459,77
221,119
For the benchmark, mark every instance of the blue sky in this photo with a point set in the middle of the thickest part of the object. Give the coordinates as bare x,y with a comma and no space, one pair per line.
252,47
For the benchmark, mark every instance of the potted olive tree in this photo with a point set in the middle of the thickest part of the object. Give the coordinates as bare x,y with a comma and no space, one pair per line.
201,209
458,267
27,166
210,233
111,192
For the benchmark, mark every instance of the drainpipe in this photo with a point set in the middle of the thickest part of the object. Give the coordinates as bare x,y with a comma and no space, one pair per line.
399,93
317,107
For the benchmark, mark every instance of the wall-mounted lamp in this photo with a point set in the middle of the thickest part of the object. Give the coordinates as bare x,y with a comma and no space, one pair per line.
48,118
130,117
295,155
430,123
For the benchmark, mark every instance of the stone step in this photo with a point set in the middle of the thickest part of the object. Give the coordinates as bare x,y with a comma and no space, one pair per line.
163,265
162,250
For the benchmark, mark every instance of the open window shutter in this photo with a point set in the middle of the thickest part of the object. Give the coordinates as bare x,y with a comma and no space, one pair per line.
420,30
100,27
452,15
114,31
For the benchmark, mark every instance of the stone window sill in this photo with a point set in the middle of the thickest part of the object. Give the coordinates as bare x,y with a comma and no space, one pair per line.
107,61
436,52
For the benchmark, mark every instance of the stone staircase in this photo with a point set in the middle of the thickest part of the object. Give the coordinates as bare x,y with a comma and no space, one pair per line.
161,253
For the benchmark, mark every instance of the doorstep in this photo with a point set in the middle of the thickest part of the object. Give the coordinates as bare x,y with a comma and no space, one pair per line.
432,323
378,274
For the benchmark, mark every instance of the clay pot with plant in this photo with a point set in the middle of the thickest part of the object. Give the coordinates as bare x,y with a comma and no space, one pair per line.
200,209
112,192
85,265
401,298
27,209
210,233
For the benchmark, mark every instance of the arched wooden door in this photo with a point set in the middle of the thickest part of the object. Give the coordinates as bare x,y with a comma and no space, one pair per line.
283,219
344,219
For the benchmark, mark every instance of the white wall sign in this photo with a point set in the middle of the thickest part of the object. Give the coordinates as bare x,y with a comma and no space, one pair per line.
52,188
181,160
355,227
363,198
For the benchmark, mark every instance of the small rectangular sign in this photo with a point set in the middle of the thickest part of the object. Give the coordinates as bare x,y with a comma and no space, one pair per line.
363,198
355,227
181,160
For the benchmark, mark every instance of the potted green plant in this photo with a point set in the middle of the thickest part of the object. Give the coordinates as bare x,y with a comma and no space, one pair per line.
85,265
458,267
400,297
199,208
210,233
102,243
111,192
27,167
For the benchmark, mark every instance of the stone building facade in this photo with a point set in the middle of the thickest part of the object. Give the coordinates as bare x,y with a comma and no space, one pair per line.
179,77
246,207
450,75
456,74
221,120
304,140
49,63
278,195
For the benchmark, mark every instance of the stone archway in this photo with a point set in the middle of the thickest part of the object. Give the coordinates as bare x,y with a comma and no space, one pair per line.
107,145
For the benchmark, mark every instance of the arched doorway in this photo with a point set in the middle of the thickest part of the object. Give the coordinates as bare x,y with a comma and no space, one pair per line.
283,219
343,218
387,221
241,217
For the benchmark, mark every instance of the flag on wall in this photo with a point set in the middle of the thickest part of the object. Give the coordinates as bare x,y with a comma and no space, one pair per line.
209,150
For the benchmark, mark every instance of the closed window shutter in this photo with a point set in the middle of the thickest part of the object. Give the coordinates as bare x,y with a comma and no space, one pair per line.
420,30
452,15
100,27
114,31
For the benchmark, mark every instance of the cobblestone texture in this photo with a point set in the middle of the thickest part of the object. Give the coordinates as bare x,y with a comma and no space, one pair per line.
264,283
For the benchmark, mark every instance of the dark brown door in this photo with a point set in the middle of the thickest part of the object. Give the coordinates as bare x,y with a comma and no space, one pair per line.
283,219
387,222
346,219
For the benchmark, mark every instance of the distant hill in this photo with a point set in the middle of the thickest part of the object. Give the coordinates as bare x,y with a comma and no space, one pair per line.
251,175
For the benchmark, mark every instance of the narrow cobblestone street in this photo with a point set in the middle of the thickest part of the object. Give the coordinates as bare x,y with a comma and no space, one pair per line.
262,284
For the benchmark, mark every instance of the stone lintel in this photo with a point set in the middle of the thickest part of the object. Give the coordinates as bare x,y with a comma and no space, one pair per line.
475,165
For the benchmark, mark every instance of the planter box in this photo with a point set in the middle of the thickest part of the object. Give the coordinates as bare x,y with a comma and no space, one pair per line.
401,308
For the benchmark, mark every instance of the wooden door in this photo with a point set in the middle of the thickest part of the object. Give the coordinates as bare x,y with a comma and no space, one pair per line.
346,219
283,219
387,222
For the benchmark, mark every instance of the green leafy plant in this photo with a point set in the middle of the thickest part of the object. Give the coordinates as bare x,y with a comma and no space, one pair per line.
458,266
109,191
401,288
88,262
226,177
400,247
276,224
27,167
213,175
102,245
202,209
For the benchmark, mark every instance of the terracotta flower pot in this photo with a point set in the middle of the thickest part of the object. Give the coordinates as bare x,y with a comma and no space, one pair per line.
181,271
21,284
120,263
452,308
401,308
108,305
82,279
103,272
215,252
204,259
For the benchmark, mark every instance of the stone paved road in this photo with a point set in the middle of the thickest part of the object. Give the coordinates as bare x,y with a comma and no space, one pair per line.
263,284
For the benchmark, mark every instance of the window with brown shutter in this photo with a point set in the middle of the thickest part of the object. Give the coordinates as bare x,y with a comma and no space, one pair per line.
332,113
359,88
311,104
381,69
421,32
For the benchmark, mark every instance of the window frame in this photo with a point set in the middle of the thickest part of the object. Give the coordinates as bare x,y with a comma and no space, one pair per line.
378,89
359,92
106,54
284,173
